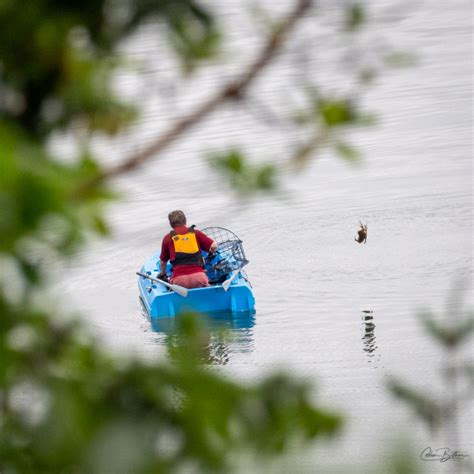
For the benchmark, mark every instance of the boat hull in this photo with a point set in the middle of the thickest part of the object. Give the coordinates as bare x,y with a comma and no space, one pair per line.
159,302
162,304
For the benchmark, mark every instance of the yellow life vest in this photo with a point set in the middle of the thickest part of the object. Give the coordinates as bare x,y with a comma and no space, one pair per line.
186,248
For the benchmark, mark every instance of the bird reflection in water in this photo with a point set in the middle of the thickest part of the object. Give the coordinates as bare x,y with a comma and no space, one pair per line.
223,334
368,336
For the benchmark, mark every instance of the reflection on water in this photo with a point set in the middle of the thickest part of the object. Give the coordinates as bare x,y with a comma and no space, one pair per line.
369,341
227,334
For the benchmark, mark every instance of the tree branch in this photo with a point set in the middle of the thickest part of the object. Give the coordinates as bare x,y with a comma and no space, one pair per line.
232,90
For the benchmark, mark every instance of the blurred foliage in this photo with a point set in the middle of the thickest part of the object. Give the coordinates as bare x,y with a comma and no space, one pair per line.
56,67
326,119
331,112
57,60
449,336
243,176
347,152
402,461
400,59
97,414
428,410
66,405
355,17
39,209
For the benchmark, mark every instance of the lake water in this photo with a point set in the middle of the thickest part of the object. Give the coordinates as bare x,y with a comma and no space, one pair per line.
333,312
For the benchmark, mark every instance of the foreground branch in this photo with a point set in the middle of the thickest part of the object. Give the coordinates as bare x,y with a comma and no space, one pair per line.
232,90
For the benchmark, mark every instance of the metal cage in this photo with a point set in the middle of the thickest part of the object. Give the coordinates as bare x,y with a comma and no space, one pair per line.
230,255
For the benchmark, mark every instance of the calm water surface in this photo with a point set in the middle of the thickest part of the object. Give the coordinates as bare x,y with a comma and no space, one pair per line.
337,314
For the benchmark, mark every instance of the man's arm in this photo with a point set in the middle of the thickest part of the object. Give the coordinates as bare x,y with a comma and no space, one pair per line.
164,256
213,247
206,243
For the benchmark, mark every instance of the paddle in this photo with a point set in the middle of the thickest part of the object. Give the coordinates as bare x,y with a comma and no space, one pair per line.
229,280
176,288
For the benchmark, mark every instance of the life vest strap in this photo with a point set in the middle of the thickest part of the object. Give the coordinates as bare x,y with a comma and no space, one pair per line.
190,229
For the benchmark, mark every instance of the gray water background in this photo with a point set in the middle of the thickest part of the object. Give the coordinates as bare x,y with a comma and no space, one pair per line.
312,282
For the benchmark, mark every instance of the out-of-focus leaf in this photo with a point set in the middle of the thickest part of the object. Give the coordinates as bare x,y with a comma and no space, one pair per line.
355,17
193,46
366,120
57,62
367,76
244,177
336,112
265,178
348,152
30,270
400,59
193,32
38,190
429,410
96,402
450,335
401,459
100,225
468,371
302,118
86,91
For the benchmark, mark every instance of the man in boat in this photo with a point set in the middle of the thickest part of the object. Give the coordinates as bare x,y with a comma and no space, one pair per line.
182,247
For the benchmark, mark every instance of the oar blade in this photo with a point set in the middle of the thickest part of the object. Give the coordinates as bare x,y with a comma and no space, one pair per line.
229,280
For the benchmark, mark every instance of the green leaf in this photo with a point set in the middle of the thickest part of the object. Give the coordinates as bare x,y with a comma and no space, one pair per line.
355,17
100,225
244,177
336,112
427,409
348,152
450,334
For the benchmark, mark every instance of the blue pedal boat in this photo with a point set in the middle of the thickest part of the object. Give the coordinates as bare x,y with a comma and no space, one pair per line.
224,270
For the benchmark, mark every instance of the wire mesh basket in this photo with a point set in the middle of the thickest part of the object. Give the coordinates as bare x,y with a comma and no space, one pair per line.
230,255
